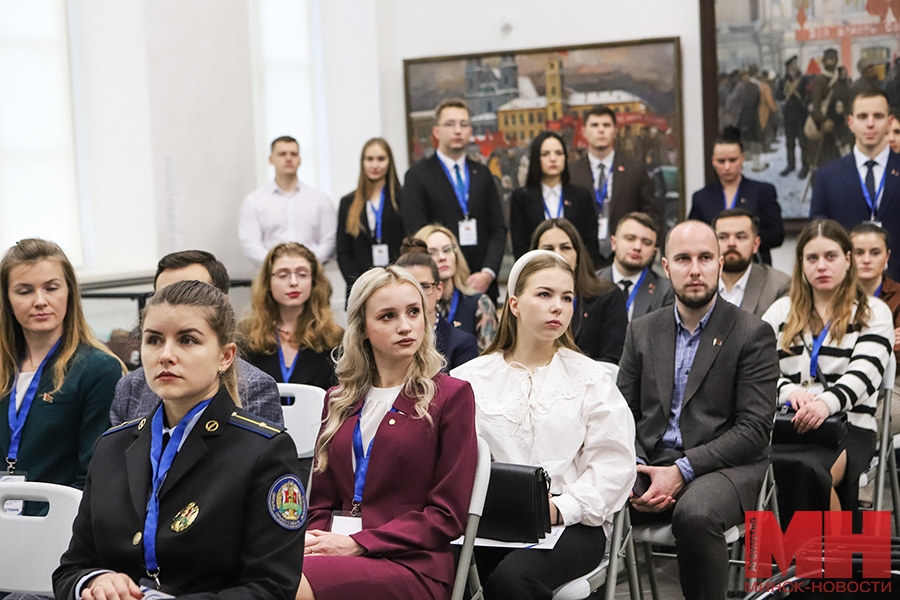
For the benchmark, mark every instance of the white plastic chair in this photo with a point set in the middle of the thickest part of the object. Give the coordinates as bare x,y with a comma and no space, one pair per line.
32,546
466,572
303,418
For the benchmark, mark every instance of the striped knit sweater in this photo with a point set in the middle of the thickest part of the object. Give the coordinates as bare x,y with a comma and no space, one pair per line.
852,369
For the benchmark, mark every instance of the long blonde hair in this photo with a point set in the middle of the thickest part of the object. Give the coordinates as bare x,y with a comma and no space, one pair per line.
803,315
356,363
365,186
75,328
507,334
462,267
315,327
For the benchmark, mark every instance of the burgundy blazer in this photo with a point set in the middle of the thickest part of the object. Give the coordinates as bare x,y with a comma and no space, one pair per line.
418,484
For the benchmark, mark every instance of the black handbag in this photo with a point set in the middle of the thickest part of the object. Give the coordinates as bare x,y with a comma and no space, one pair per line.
517,507
830,433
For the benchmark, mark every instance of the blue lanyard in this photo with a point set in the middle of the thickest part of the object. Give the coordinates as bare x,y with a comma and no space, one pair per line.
733,200
362,463
559,212
817,346
462,192
453,304
17,418
634,289
161,461
378,213
872,206
600,195
285,371
878,291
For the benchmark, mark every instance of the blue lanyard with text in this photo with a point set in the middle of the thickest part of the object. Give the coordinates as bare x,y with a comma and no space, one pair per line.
161,462
378,213
872,203
453,304
634,289
362,464
285,371
817,346
462,194
733,200
559,212
17,418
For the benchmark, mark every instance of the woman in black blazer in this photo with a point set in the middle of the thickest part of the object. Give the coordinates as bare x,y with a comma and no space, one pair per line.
548,195
600,318
370,227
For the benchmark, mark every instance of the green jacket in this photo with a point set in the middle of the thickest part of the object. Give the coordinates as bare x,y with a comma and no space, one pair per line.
63,427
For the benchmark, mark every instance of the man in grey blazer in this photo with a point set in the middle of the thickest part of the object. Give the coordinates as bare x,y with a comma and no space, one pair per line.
634,246
258,391
752,286
700,381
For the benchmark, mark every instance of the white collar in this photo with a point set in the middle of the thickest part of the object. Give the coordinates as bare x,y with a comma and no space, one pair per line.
861,159
607,162
618,277
740,284
450,163
556,190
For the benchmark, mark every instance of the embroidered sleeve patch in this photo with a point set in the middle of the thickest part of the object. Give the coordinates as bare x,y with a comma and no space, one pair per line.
287,502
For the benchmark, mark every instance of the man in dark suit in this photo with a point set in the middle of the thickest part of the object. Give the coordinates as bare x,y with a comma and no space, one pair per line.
753,287
733,190
700,381
634,246
460,195
865,184
620,184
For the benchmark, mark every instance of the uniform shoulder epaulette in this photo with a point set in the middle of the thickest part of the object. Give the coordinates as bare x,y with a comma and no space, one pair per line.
251,422
124,425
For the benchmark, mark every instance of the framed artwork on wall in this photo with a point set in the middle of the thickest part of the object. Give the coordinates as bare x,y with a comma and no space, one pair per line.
514,95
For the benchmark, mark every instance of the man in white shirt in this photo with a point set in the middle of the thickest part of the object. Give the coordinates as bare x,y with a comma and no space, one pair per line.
753,287
287,210
634,246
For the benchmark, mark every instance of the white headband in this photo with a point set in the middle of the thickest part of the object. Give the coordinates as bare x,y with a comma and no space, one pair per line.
520,264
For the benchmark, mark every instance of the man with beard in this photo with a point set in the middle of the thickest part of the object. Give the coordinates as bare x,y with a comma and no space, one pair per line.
700,381
753,287
634,245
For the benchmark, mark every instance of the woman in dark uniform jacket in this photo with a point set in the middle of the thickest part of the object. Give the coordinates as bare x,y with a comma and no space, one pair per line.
291,331
357,233
547,194
600,318
230,509
52,366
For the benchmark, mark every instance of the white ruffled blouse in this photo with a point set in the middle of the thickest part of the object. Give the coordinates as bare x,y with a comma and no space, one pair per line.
567,417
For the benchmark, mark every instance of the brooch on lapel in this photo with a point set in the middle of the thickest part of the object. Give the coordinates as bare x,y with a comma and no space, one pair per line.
48,398
894,173
743,200
621,168
717,342
651,288
184,519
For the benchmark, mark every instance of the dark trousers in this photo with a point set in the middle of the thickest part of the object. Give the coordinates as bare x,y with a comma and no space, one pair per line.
706,508
534,574
793,136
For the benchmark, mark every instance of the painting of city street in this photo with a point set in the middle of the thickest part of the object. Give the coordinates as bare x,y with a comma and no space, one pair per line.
513,96
786,68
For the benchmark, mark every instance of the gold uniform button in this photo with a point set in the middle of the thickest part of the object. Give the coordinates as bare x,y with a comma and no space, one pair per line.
136,539
142,423
391,422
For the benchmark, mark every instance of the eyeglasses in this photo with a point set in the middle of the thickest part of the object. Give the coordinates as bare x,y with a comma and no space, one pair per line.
454,124
286,275
428,288
449,249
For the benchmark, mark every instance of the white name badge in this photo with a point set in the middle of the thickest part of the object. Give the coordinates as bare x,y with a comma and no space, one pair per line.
345,525
602,228
380,256
468,232
12,507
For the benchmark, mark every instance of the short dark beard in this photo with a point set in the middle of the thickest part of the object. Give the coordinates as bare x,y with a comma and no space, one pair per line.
635,267
697,302
738,263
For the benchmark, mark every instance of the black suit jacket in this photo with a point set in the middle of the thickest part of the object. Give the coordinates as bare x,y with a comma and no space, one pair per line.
456,345
354,254
233,549
758,197
429,197
526,212
599,325
837,194
312,368
729,400
632,188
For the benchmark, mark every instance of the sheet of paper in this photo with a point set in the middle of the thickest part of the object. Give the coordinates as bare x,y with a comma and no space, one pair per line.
547,543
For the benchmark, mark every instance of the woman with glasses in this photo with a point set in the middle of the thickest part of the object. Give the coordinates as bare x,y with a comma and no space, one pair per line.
370,228
473,313
291,331
457,346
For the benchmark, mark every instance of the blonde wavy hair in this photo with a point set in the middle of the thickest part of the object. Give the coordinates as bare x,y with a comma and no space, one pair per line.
315,327
356,363
75,328
462,267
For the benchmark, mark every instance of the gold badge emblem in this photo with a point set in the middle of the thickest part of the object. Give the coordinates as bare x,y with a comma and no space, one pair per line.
212,426
142,423
391,422
187,515
136,539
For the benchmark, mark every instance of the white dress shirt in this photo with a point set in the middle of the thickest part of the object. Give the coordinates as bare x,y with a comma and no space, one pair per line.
567,417
736,295
378,402
608,168
271,216
877,170
552,200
